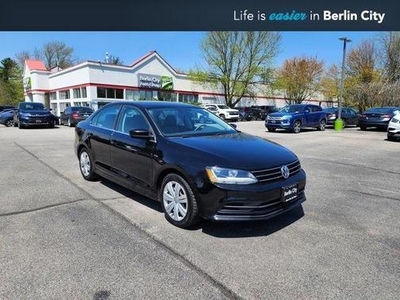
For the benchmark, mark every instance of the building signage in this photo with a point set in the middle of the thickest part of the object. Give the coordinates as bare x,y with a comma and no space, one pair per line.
155,82
27,83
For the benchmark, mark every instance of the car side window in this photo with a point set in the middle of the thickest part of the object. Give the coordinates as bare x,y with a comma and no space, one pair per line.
106,117
130,119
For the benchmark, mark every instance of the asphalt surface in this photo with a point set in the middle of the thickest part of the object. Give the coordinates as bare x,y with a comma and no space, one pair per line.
65,238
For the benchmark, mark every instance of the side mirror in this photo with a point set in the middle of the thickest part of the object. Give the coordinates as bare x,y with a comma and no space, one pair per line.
233,125
306,111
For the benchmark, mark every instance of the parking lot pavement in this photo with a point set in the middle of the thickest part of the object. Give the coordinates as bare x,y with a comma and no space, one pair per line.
76,239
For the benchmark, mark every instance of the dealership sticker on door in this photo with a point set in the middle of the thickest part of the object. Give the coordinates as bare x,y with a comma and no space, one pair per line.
289,192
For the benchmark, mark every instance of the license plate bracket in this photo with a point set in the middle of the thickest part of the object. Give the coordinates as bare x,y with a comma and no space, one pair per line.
289,192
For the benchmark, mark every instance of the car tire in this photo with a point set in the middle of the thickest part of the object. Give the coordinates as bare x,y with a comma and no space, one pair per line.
296,126
321,125
178,202
271,129
9,123
20,126
363,128
86,165
390,137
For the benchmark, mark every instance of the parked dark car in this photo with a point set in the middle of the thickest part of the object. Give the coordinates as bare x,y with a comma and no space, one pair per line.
74,114
262,111
377,117
193,162
348,115
6,117
245,114
296,116
33,114
6,107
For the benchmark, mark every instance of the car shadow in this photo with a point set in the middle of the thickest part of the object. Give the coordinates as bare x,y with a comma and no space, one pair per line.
236,229
150,203
288,131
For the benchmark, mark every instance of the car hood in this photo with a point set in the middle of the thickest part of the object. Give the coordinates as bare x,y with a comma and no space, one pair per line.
34,112
236,150
280,115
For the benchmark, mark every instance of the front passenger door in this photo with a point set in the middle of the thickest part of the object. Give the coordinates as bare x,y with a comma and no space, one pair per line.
130,156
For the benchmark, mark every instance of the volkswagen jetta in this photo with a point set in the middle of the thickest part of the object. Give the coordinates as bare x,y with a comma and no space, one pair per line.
191,161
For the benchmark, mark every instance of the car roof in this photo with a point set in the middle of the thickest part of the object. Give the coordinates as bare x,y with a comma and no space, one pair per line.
155,104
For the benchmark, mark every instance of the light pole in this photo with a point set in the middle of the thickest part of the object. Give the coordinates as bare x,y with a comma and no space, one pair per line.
339,121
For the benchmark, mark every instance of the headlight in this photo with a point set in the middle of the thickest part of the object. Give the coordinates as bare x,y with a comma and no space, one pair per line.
229,176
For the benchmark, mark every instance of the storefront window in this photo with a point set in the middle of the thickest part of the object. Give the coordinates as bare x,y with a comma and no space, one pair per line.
101,92
132,95
64,94
77,93
110,93
166,96
188,98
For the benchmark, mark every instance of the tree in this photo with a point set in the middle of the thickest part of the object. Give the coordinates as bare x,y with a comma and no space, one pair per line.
390,59
53,54
331,83
11,91
7,69
115,60
363,77
235,61
300,78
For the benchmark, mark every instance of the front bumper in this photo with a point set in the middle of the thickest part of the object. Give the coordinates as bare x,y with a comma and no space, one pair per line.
37,121
283,124
373,123
252,202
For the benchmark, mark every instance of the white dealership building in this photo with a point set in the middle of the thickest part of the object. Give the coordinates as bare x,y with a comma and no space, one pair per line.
94,83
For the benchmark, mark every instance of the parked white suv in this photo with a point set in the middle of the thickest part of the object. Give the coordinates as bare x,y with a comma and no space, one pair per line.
224,111
393,129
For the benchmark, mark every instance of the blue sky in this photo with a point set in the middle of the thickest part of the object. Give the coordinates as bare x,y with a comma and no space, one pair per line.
179,49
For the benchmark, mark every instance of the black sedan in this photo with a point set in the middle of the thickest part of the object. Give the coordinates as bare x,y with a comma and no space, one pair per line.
74,114
378,117
194,163
348,115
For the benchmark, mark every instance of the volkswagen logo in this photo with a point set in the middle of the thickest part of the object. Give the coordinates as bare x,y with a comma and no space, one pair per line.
285,171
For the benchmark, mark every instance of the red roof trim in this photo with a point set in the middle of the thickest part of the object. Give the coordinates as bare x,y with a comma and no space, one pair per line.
35,65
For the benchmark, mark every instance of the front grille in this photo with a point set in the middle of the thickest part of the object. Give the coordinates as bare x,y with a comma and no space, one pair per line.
275,173
244,209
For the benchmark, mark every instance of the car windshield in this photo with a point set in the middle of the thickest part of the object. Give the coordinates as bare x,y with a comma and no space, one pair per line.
381,110
31,106
188,121
223,106
292,108
82,109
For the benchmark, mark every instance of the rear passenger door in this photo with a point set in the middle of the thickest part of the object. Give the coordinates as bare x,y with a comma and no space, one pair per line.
315,115
99,141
